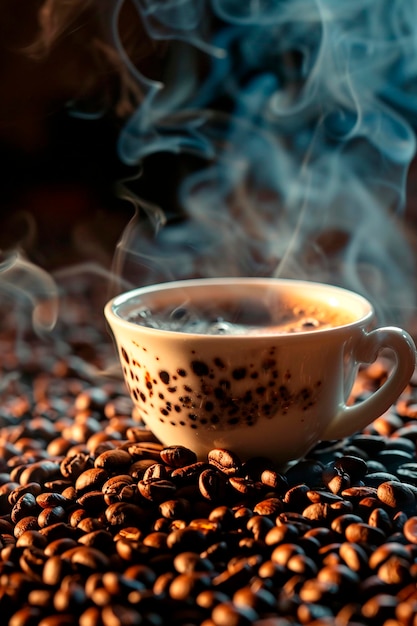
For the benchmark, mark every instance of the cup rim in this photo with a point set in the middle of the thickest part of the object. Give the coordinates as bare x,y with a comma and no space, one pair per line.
289,283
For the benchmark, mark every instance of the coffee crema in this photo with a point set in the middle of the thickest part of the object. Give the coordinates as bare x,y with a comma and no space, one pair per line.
243,316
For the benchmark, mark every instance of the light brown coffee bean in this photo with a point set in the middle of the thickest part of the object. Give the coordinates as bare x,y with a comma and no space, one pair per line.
410,529
230,614
364,534
276,481
260,525
397,495
114,460
386,551
93,478
354,556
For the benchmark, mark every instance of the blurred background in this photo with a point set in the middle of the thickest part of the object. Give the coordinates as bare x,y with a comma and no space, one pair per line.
60,120
59,171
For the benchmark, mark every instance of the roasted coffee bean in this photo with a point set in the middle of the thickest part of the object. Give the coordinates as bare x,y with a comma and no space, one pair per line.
296,497
410,529
340,523
380,519
397,495
188,585
386,551
224,460
187,539
212,485
124,514
74,465
210,598
48,499
33,488
55,569
259,599
51,515
92,501
114,487
364,534
59,546
93,478
175,508
354,556
113,461
156,470
149,450
274,480
246,486
40,472
317,512
178,456
230,614
86,557
189,473
31,538
25,524
187,562
156,489
26,616
24,507
354,466
336,480
283,552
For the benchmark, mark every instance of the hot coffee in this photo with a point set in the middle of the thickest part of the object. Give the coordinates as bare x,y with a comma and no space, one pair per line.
258,366
237,316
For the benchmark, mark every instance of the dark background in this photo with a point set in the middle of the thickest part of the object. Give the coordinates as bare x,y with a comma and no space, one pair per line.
59,183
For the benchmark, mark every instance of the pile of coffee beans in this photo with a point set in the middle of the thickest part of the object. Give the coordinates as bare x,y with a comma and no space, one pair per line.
101,525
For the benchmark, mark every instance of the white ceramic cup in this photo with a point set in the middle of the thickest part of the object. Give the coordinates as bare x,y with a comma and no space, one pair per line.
274,391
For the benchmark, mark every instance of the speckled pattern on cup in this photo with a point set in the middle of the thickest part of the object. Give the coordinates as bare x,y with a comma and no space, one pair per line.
266,394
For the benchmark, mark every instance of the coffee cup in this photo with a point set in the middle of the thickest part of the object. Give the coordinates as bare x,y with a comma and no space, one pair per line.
259,366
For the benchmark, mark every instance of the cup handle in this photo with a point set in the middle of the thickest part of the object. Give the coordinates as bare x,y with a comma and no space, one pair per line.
351,419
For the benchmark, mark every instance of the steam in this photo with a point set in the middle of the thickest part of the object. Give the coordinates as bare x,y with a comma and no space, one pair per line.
294,122
26,284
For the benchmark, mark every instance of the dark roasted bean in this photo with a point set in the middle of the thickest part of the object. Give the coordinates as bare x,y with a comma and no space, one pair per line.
178,456
354,466
156,470
156,489
175,508
51,515
25,506
74,465
190,473
224,460
212,484
148,450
